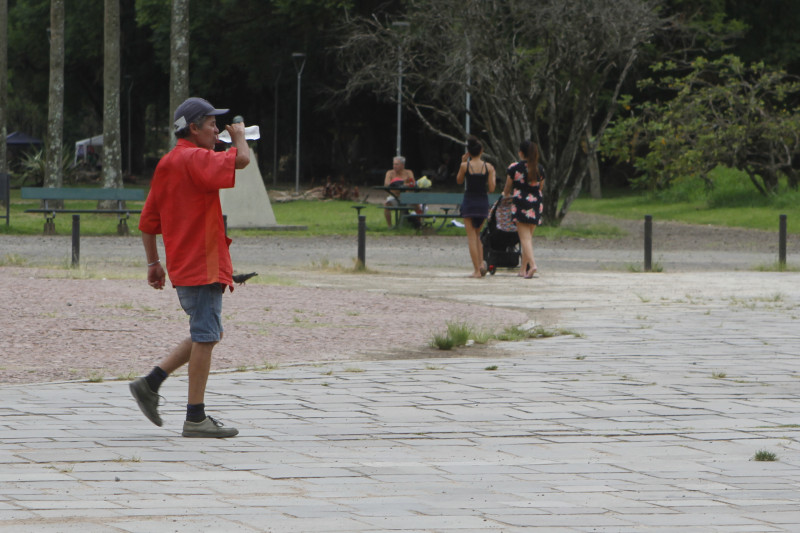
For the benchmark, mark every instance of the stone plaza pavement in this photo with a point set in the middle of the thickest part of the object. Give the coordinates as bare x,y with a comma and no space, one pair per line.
644,414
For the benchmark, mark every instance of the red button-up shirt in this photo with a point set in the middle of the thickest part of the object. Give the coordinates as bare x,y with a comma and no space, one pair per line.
183,205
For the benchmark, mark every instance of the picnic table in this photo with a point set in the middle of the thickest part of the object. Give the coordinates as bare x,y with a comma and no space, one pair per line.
400,209
446,201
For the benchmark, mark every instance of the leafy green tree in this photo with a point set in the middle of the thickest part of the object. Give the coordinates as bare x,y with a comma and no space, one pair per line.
536,69
722,112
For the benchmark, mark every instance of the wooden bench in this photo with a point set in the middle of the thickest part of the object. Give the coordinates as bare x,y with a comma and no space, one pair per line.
446,201
50,194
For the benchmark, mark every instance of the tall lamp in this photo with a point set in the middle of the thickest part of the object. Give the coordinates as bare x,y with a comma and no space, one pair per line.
129,78
299,60
400,26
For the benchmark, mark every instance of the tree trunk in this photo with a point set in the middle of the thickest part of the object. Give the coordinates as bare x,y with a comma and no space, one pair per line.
593,166
3,83
112,150
55,111
178,60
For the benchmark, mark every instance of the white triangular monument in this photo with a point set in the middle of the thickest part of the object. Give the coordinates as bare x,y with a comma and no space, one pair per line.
247,204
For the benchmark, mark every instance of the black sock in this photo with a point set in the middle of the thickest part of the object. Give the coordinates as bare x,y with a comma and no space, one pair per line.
155,378
195,412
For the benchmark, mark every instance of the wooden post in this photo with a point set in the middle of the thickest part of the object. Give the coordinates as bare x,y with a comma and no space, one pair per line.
648,243
782,242
362,240
76,241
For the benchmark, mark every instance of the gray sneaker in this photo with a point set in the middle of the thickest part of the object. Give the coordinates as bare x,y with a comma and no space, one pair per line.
147,400
209,428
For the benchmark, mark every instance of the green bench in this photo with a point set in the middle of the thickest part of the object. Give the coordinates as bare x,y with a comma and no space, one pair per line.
445,201
51,194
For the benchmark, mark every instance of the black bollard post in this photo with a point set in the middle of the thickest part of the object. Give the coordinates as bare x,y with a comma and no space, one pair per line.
76,241
362,241
782,242
648,243
225,222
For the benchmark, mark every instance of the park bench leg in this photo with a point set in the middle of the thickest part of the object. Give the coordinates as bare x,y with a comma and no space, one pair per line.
122,226
49,226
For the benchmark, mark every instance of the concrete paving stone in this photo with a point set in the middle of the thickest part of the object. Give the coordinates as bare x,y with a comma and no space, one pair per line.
788,517
706,518
210,476
432,523
97,515
58,527
14,516
551,522
184,525
301,472
274,523
38,505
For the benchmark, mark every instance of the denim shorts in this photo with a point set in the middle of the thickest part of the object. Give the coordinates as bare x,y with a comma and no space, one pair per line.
203,304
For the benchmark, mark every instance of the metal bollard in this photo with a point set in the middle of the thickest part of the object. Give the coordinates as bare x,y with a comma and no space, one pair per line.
782,242
362,240
648,243
76,241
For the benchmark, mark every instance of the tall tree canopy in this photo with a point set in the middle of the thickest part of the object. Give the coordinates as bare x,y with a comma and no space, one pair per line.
544,68
536,69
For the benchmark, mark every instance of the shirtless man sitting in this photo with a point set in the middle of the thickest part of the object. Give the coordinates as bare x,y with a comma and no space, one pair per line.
399,176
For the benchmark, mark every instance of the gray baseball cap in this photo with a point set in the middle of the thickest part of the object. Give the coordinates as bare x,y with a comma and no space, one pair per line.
192,109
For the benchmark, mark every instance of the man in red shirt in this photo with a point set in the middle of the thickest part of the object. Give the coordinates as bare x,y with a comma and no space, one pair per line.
183,206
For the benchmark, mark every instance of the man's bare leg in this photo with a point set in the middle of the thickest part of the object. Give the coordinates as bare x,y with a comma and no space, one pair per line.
199,367
178,357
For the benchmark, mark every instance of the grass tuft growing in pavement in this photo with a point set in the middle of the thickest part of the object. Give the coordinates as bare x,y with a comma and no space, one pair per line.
764,455
461,334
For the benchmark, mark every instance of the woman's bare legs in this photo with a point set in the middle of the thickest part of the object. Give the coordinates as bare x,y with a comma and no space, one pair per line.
475,248
525,232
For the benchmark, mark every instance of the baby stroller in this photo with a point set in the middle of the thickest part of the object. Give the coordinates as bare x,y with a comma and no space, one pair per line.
499,237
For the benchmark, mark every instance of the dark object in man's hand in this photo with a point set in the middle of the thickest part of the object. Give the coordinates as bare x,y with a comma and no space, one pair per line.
241,278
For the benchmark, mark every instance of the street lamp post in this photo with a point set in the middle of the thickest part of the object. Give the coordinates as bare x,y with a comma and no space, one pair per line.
400,25
275,135
469,80
299,63
130,141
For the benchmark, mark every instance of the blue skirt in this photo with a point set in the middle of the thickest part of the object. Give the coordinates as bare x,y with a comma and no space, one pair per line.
475,206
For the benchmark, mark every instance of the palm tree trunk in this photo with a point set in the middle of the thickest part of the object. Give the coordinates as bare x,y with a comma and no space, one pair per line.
179,60
3,83
55,111
112,151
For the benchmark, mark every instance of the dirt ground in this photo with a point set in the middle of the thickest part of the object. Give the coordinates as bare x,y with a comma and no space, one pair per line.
66,329
56,326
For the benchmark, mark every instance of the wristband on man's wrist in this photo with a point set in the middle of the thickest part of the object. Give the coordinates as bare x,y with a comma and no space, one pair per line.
157,261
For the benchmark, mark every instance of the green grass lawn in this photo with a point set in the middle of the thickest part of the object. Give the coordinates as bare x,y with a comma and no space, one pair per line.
636,206
733,202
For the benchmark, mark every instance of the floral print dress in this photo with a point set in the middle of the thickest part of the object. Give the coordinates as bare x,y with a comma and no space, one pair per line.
527,199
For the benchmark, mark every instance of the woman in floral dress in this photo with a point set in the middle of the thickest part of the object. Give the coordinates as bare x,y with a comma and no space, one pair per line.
524,185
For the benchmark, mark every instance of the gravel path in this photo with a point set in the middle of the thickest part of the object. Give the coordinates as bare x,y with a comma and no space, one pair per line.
102,321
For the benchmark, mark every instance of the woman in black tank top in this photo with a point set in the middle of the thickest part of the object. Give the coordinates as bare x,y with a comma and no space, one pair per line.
479,180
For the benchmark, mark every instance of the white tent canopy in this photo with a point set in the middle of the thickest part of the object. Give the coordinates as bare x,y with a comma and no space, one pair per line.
85,147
